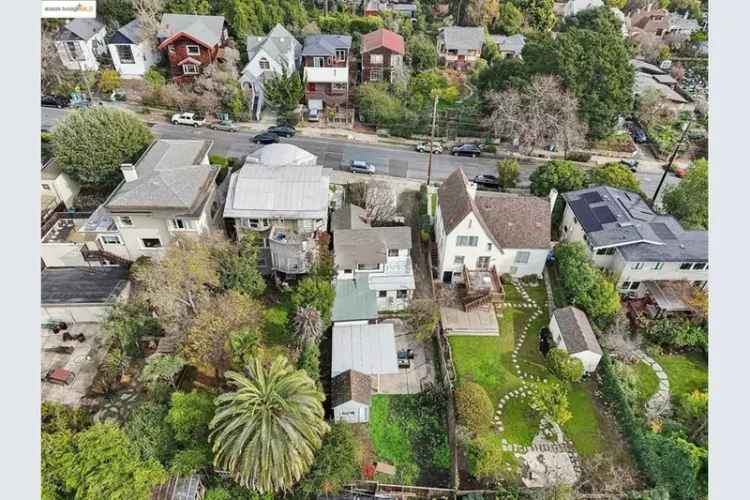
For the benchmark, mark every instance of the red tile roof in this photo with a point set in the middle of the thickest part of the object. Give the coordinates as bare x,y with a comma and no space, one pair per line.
383,38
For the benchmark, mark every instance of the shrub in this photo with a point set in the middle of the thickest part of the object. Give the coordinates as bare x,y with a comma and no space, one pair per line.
109,80
485,454
293,118
550,399
559,174
154,77
581,156
564,365
218,160
679,333
490,148
473,407
423,318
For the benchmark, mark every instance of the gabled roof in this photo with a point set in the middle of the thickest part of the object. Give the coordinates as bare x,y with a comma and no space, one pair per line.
454,200
325,45
576,330
348,217
616,218
79,29
131,33
355,300
383,38
462,37
170,176
82,285
204,29
368,245
369,349
276,44
516,221
512,43
350,385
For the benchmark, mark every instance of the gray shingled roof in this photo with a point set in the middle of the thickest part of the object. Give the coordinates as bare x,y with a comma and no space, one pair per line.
130,33
454,200
348,217
462,37
615,218
516,221
79,29
169,176
276,44
355,300
350,385
82,285
369,245
576,330
325,45
207,29
513,43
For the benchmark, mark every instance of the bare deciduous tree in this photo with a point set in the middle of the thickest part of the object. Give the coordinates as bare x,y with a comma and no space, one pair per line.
541,113
53,72
380,202
652,108
649,46
602,475
148,13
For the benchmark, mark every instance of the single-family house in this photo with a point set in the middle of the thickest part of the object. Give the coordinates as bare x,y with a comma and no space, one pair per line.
510,46
268,56
369,349
350,397
133,53
170,191
571,331
408,10
625,236
57,187
192,43
459,46
82,294
80,42
326,70
667,88
661,23
483,230
382,55
282,194
379,259
188,487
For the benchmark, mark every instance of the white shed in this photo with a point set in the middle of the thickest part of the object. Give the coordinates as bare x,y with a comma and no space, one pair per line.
350,397
571,330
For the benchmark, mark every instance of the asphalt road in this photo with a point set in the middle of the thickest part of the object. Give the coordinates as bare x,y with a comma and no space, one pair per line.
394,160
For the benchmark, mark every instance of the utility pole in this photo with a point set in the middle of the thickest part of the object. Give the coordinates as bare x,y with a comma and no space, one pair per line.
432,138
668,166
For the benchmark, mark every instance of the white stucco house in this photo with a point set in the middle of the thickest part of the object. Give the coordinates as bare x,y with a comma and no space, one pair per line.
482,230
80,42
626,237
375,258
573,7
571,331
350,397
274,54
57,186
133,54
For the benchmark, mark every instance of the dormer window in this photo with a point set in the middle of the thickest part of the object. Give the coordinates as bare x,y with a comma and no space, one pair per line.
193,50
393,252
341,55
264,64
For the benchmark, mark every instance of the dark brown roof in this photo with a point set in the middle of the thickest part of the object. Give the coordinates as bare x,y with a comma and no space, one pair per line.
350,385
516,221
454,200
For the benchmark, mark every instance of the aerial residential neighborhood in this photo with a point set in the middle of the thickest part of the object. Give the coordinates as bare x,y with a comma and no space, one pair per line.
375,250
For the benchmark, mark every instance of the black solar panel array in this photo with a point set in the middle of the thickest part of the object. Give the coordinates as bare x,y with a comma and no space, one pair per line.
604,215
585,215
592,197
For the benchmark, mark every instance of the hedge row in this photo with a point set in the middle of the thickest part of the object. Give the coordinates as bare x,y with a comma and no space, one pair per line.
423,213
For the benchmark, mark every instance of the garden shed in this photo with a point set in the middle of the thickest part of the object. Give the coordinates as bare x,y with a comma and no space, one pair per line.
572,331
350,397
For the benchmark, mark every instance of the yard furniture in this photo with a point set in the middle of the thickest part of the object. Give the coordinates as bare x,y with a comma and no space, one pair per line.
61,349
67,337
60,376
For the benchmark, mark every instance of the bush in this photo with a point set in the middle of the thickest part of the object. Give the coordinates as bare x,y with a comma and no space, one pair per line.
293,118
581,156
473,407
423,318
677,333
154,77
218,160
565,366
486,457
109,80
490,148
559,174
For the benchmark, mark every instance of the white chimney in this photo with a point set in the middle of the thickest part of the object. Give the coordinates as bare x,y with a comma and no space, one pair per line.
471,188
552,199
128,171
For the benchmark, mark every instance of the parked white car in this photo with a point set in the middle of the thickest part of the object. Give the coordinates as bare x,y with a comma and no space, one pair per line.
193,119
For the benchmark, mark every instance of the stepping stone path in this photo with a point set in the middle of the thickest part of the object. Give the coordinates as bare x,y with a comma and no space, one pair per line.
658,404
546,426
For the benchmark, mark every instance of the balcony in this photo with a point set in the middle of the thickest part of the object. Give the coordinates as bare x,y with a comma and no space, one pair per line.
292,252
65,227
326,75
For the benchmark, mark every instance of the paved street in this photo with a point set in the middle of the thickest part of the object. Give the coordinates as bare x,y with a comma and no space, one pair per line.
391,159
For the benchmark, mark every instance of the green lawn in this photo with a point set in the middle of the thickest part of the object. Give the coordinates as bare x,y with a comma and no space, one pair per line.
278,335
410,432
686,372
648,382
487,361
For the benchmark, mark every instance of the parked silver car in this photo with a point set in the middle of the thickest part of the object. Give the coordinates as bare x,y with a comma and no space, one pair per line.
362,167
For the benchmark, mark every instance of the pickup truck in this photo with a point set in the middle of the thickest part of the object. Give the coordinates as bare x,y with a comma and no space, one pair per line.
188,119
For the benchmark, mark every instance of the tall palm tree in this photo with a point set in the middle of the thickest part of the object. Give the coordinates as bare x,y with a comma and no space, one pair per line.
309,325
267,431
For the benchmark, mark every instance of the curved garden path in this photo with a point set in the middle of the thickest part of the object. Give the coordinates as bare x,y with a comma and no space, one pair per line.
658,404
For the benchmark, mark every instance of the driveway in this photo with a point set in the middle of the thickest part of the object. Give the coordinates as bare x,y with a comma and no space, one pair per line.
411,380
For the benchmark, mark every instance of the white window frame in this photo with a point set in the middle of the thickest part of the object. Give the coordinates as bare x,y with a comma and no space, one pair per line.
637,265
696,264
318,61
625,285
264,63
121,47
189,65
368,267
522,257
103,238
376,58
393,252
187,224
144,247
466,241
339,57
190,53
658,266
121,221
382,294
402,294
459,260
171,48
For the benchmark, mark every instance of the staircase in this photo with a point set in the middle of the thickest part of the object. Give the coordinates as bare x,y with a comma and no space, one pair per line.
471,303
98,255
434,259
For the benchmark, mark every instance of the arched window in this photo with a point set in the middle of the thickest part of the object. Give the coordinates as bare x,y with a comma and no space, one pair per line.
264,64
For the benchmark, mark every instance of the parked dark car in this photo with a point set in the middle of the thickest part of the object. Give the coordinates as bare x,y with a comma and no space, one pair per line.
466,150
282,131
638,134
265,138
488,181
55,101
631,164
